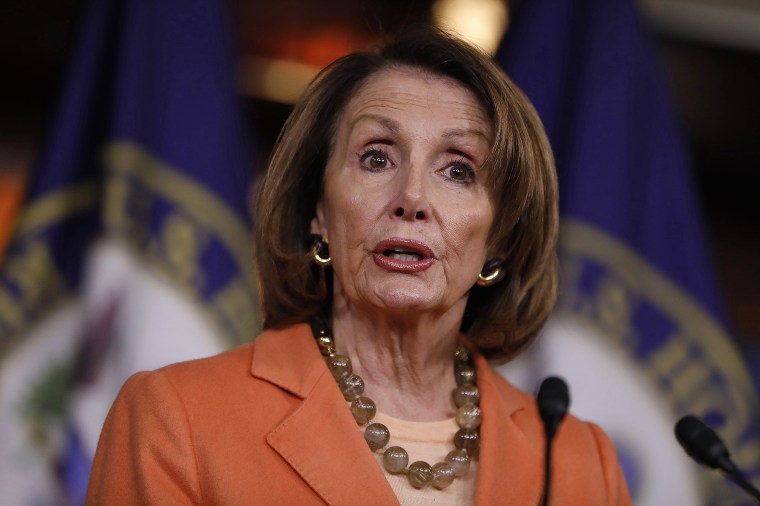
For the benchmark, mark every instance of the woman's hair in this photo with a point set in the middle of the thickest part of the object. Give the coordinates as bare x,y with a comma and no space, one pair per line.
501,320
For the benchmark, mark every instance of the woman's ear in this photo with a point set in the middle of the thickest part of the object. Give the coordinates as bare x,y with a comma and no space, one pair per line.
318,222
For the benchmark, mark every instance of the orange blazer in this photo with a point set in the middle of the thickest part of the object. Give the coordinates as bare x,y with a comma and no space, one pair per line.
265,423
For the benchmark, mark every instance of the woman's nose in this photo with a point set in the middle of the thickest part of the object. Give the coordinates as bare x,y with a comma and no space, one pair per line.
412,202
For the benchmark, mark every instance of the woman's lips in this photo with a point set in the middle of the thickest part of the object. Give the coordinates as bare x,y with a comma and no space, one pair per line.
403,255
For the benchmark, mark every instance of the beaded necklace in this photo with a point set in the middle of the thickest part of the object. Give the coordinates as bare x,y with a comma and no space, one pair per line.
395,458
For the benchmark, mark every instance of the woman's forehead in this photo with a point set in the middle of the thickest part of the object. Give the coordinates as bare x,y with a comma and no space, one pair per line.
396,90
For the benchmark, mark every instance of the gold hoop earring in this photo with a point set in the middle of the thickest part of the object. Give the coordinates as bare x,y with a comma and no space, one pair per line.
491,274
320,253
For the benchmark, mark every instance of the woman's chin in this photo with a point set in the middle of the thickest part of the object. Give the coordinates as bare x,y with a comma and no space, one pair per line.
411,297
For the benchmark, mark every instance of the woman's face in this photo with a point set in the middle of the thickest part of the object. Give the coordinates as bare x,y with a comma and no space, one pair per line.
405,206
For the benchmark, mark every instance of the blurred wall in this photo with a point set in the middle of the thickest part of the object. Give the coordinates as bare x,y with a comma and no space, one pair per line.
714,67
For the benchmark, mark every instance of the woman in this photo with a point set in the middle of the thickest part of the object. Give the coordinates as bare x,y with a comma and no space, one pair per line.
405,234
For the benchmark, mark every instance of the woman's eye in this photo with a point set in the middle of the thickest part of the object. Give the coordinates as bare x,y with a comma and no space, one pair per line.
375,160
459,172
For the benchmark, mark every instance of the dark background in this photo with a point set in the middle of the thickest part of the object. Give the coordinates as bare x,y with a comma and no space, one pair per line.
715,83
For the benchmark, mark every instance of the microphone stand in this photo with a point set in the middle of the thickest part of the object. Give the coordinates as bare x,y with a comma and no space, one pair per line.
732,471
547,470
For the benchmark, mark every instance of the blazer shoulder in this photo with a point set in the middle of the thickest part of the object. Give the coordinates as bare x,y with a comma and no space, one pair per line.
583,453
274,361
229,363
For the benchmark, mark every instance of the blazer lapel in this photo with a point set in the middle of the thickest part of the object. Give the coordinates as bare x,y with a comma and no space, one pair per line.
320,439
510,471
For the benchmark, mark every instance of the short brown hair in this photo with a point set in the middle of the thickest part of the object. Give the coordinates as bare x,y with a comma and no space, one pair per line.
503,319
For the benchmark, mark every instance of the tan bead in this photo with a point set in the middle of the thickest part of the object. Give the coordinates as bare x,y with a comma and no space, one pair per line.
352,386
443,475
326,345
464,374
363,409
466,394
376,435
467,439
395,459
468,416
461,354
419,474
339,366
459,461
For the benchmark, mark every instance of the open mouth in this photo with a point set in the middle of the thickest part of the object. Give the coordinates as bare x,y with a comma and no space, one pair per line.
403,255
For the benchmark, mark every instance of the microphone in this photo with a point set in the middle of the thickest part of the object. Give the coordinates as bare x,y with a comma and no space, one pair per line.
703,445
553,399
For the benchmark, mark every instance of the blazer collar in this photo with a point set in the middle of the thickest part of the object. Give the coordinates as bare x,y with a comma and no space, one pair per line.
288,358
335,462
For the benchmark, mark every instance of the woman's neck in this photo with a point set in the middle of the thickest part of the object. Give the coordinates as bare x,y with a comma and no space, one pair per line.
407,363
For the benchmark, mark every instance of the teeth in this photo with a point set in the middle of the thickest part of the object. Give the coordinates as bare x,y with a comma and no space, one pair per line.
406,257
403,256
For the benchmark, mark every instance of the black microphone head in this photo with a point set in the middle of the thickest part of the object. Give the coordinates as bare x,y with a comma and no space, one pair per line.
553,399
701,442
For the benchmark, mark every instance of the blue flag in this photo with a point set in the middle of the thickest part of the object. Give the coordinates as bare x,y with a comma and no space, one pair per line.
638,326
133,248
